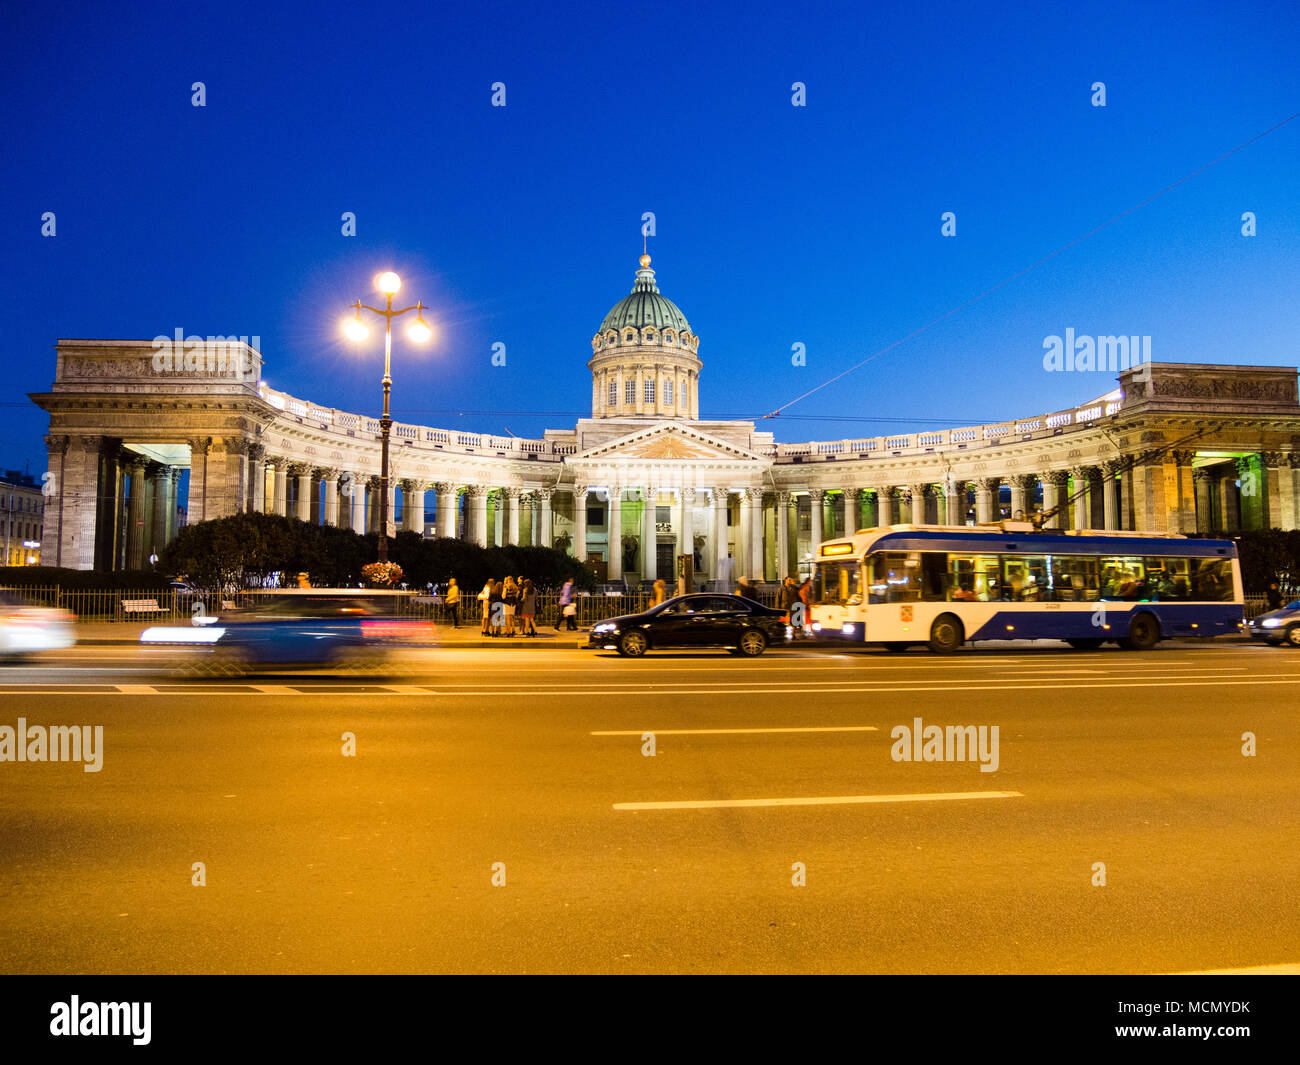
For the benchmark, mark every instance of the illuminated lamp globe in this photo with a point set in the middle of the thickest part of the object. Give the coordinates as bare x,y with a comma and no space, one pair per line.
355,329
388,283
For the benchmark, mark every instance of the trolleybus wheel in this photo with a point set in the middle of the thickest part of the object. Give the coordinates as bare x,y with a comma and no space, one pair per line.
1143,633
946,634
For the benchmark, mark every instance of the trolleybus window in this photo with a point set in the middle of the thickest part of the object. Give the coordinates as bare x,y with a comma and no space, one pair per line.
839,583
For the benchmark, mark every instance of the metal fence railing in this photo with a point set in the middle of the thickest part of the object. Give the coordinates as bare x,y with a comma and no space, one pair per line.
136,605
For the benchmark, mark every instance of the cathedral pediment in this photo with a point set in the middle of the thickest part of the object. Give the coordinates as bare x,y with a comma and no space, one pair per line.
670,442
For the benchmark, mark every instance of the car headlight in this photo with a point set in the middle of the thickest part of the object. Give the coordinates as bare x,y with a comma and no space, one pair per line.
1270,623
605,627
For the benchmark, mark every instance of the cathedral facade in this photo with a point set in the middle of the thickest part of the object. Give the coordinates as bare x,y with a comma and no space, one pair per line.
1176,447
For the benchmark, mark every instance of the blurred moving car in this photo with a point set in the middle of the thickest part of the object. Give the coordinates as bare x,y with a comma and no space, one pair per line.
743,626
1278,626
26,628
296,628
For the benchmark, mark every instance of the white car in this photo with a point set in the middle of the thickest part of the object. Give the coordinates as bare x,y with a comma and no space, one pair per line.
25,628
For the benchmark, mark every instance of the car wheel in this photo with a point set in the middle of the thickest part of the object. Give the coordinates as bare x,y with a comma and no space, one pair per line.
946,634
752,643
364,660
1143,633
896,646
633,645
1090,643
1292,636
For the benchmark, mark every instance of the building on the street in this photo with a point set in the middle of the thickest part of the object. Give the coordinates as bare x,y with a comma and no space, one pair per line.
22,510
1176,447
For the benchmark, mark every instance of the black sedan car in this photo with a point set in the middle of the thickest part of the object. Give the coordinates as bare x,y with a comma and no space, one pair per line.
1278,626
702,620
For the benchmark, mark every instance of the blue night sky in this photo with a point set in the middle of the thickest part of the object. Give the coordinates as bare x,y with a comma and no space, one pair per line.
776,225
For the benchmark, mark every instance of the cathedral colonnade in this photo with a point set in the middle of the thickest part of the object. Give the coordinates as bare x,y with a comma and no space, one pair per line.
134,453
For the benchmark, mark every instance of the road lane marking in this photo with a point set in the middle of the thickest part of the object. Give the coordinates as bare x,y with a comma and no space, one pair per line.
817,800
735,731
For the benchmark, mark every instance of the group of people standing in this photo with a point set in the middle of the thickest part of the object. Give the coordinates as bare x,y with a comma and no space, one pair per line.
517,613
792,593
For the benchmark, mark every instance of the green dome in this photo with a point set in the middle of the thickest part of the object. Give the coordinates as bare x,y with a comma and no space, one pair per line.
645,306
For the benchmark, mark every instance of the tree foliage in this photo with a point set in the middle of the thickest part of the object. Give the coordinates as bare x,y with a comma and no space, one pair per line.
252,549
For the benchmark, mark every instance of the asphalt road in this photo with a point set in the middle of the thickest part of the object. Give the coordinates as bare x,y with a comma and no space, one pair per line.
614,861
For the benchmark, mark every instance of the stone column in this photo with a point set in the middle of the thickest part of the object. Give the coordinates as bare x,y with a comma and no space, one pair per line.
1204,506
614,526
512,496
544,501
1182,507
686,527
757,562
815,497
887,502
649,535
302,500
1022,486
782,535
477,510
174,480
1079,476
354,496
257,475
917,495
1229,508
580,522
1289,491
413,506
445,495
280,500
852,513
1109,494
196,506
1274,466
985,494
720,553
329,490
1149,504
135,514
1054,484
162,482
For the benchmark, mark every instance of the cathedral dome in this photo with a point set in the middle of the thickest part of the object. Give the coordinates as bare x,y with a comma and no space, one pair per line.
646,306
645,358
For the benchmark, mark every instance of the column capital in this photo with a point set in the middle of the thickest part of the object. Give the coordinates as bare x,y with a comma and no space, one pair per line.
544,494
56,443
816,494
753,495
850,493
1056,478
443,487
688,495
476,491
1112,466
257,452
1024,481
1272,459
297,469
1183,456
200,444
512,491
580,491
784,498
1293,458
988,484
331,473
721,497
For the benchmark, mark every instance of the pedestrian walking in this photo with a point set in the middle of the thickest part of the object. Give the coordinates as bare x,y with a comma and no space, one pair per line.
485,600
568,608
1274,594
452,599
528,607
661,592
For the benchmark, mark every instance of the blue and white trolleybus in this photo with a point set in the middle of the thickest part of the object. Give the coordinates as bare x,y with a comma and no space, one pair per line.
944,586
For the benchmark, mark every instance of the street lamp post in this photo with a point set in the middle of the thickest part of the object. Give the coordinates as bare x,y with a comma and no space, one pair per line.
389,284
